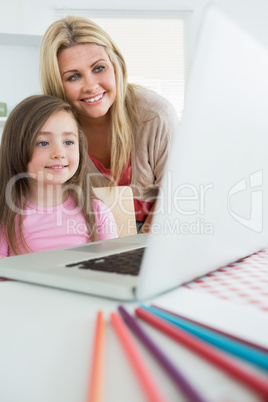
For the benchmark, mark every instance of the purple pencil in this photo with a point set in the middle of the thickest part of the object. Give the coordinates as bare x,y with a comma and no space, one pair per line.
181,382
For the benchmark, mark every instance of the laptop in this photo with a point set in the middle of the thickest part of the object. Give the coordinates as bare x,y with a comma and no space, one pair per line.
212,204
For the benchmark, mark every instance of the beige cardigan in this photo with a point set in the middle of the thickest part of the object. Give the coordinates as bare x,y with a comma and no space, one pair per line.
151,145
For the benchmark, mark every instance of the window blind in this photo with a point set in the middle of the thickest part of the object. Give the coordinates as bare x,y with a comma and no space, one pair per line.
155,46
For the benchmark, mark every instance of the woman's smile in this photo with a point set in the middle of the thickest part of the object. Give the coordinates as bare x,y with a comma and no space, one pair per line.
94,99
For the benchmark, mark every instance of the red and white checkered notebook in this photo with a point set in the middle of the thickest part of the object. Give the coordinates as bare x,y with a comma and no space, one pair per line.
245,281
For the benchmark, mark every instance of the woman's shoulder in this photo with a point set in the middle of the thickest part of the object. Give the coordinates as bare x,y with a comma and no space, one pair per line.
150,103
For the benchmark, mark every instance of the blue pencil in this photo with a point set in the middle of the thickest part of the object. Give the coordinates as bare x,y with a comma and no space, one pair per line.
167,365
219,331
236,348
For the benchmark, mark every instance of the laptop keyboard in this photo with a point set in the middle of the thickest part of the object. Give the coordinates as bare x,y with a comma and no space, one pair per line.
127,262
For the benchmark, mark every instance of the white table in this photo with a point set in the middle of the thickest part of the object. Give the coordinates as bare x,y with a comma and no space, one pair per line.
46,340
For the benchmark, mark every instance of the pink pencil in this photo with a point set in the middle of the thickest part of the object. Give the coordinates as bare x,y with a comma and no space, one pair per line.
214,355
96,383
148,383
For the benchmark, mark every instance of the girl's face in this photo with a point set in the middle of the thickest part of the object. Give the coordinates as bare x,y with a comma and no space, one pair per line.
55,157
88,79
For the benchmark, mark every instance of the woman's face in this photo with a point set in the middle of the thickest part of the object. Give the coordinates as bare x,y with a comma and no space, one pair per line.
88,79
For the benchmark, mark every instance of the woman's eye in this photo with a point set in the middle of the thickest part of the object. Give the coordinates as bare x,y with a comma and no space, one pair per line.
42,143
69,142
73,77
99,69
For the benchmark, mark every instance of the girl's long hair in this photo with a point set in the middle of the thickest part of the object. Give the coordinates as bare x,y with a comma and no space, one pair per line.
17,145
73,30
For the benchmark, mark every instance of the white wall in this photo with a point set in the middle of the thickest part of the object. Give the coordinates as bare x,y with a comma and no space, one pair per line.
32,16
19,78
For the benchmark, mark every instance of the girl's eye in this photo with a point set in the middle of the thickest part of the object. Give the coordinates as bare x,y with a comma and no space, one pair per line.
99,69
69,142
42,143
73,77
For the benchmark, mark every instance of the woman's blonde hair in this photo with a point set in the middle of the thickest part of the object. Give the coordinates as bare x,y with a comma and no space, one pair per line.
68,32
17,145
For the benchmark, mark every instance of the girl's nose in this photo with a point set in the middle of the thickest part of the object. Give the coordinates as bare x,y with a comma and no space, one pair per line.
57,152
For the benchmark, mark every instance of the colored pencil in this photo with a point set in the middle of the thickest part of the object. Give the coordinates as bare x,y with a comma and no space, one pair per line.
146,379
181,382
238,349
235,338
207,351
96,383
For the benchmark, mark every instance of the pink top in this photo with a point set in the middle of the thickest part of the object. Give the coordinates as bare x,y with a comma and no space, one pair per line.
61,226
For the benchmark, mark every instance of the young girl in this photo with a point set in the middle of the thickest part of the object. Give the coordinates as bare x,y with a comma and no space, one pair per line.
45,196
128,128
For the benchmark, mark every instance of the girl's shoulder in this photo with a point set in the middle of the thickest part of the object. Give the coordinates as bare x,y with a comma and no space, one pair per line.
100,207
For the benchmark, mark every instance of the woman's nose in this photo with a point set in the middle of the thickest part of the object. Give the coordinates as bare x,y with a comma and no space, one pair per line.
90,83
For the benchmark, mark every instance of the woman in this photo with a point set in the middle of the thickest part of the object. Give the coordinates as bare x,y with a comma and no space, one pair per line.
128,128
